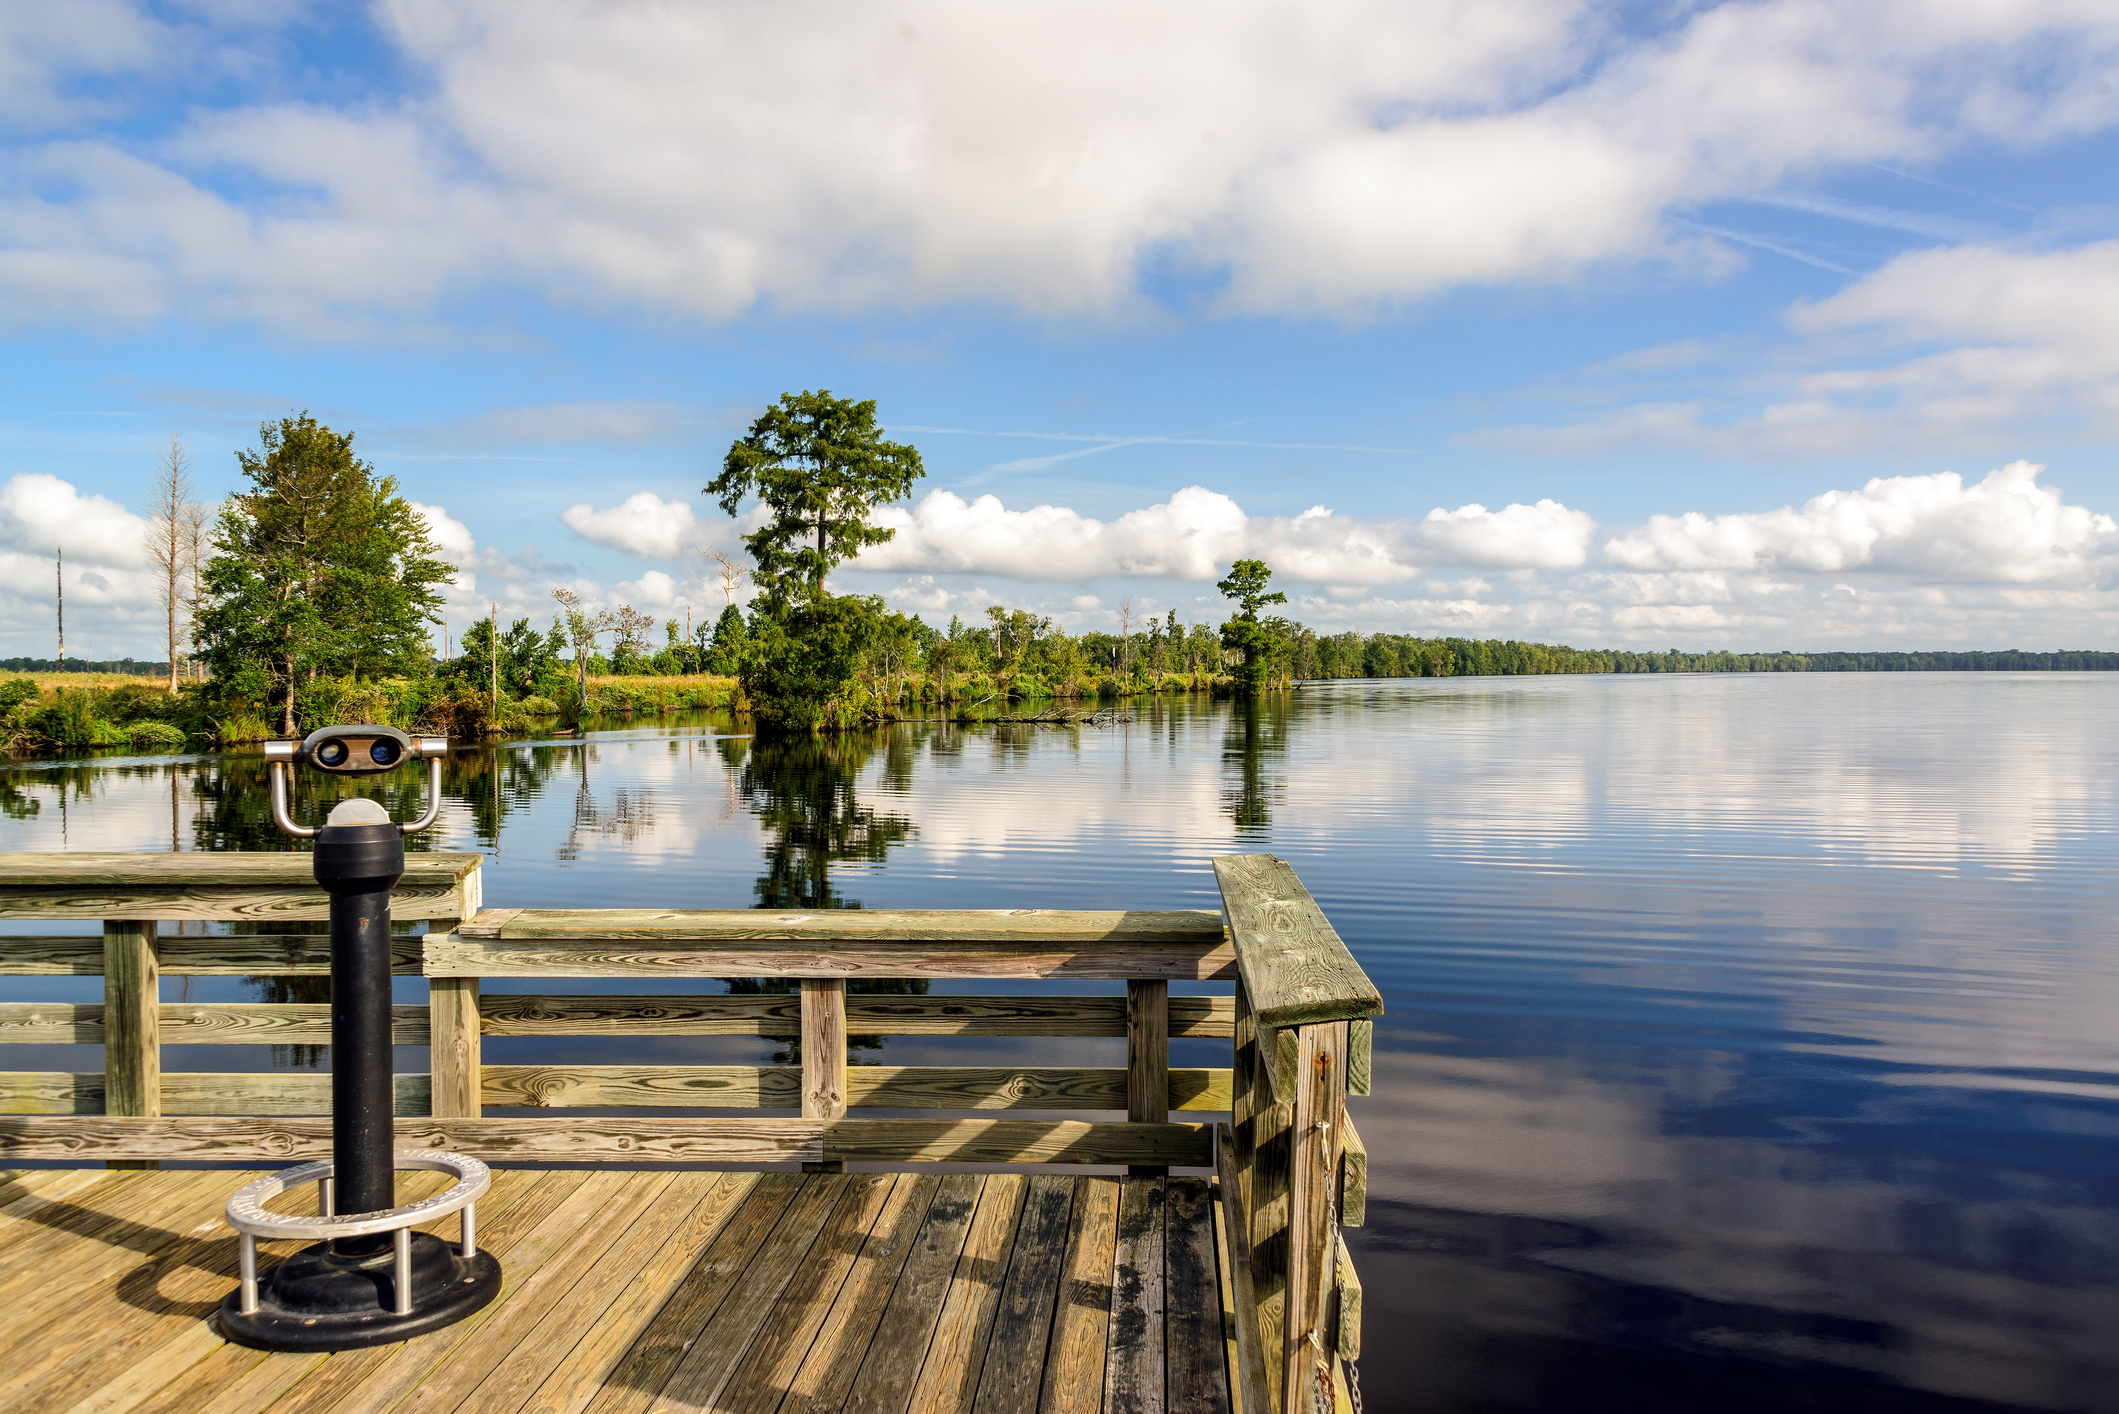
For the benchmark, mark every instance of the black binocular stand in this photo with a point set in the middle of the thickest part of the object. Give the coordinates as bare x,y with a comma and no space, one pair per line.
369,1279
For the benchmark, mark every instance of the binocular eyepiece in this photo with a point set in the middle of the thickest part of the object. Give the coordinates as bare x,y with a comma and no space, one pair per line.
354,751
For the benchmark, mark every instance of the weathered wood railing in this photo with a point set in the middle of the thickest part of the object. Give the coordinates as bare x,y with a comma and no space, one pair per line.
1291,1168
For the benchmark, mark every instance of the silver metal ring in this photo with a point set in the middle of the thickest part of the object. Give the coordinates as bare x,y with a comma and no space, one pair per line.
247,1214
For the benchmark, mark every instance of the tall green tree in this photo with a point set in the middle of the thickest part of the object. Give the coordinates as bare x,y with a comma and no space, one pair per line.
320,567
820,465
1257,641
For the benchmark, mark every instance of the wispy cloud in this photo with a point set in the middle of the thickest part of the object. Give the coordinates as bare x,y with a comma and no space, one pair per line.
1919,223
1108,442
1762,243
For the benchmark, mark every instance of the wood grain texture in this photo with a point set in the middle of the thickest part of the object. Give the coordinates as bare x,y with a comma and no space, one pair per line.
1361,1045
1148,1052
823,1047
1349,1316
1318,1135
232,886
703,1374
867,1086
1231,1356
645,1368
198,1023
1134,1366
1292,961
190,955
269,1139
1022,1325
455,955
768,1368
1253,1389
455,1056
277,1140
1353,1178
1261,1153
132,1020
1196,1379
186,1092
121,869
1195,927
521,1014
956,1353
602,1276
899,1348
820,1386
1074,1364
592,1229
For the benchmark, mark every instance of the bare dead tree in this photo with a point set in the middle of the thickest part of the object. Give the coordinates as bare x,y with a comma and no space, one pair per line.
1125,634
168,505
197,533
732,572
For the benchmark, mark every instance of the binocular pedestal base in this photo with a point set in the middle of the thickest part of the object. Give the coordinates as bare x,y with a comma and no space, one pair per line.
318,1300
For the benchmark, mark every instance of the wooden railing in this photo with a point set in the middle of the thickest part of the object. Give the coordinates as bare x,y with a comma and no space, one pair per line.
1291,1168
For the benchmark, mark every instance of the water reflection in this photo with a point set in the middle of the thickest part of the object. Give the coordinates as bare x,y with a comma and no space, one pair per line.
1750,1041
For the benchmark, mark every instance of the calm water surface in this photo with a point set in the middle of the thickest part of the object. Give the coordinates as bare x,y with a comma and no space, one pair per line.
1753,1042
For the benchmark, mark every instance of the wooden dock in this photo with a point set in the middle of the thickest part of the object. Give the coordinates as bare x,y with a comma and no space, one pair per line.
635,1293
673,1287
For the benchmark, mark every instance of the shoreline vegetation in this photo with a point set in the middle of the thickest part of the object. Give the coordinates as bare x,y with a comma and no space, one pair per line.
42,709
323,586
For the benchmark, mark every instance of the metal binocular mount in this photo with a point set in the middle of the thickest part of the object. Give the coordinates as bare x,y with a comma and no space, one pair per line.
369,1279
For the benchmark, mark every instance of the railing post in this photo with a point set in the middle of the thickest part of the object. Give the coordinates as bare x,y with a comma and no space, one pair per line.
1317,1136
132,1024
1148,1060
824,1056
1260,1135
455,1058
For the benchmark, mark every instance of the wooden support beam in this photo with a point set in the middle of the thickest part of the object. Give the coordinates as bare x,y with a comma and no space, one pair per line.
198,1023
824,1056
1147,1056
1294,963
1259,1160
1253,1385
953,1014
132,1021
1361,1044
193,955
1353,1178
1191,927
1317,1136
269,1140
459,955
244,886
194,1092
1348,1321
946,1087
455,1054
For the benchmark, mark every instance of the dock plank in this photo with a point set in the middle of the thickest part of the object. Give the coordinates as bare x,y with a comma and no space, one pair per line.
1197,1379
899,1347
611,1331
158,1328
630,1292
768,1368
720,1344
1022,1327
482,1354
827,1371
599,1276
1074,1364
957,1351
645,1368
1134,1371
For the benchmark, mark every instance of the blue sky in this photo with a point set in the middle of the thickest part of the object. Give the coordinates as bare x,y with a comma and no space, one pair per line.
1759,326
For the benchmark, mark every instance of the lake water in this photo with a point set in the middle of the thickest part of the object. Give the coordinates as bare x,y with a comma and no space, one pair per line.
1752,1042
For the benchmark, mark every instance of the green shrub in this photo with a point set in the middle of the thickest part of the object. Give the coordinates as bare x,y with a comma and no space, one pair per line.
155,736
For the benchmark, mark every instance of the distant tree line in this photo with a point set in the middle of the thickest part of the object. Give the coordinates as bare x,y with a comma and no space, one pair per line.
137,667
1387,655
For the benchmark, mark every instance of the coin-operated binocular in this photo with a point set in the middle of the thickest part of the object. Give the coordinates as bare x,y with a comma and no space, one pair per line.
369,1279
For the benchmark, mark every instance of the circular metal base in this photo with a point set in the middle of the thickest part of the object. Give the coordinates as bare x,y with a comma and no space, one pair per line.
317,1300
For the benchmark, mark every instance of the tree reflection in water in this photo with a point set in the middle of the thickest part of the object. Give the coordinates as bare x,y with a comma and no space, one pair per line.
1255,742
806,791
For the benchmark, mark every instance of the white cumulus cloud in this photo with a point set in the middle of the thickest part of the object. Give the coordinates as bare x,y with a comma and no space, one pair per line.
450,534
704,159
2005,527
642,524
